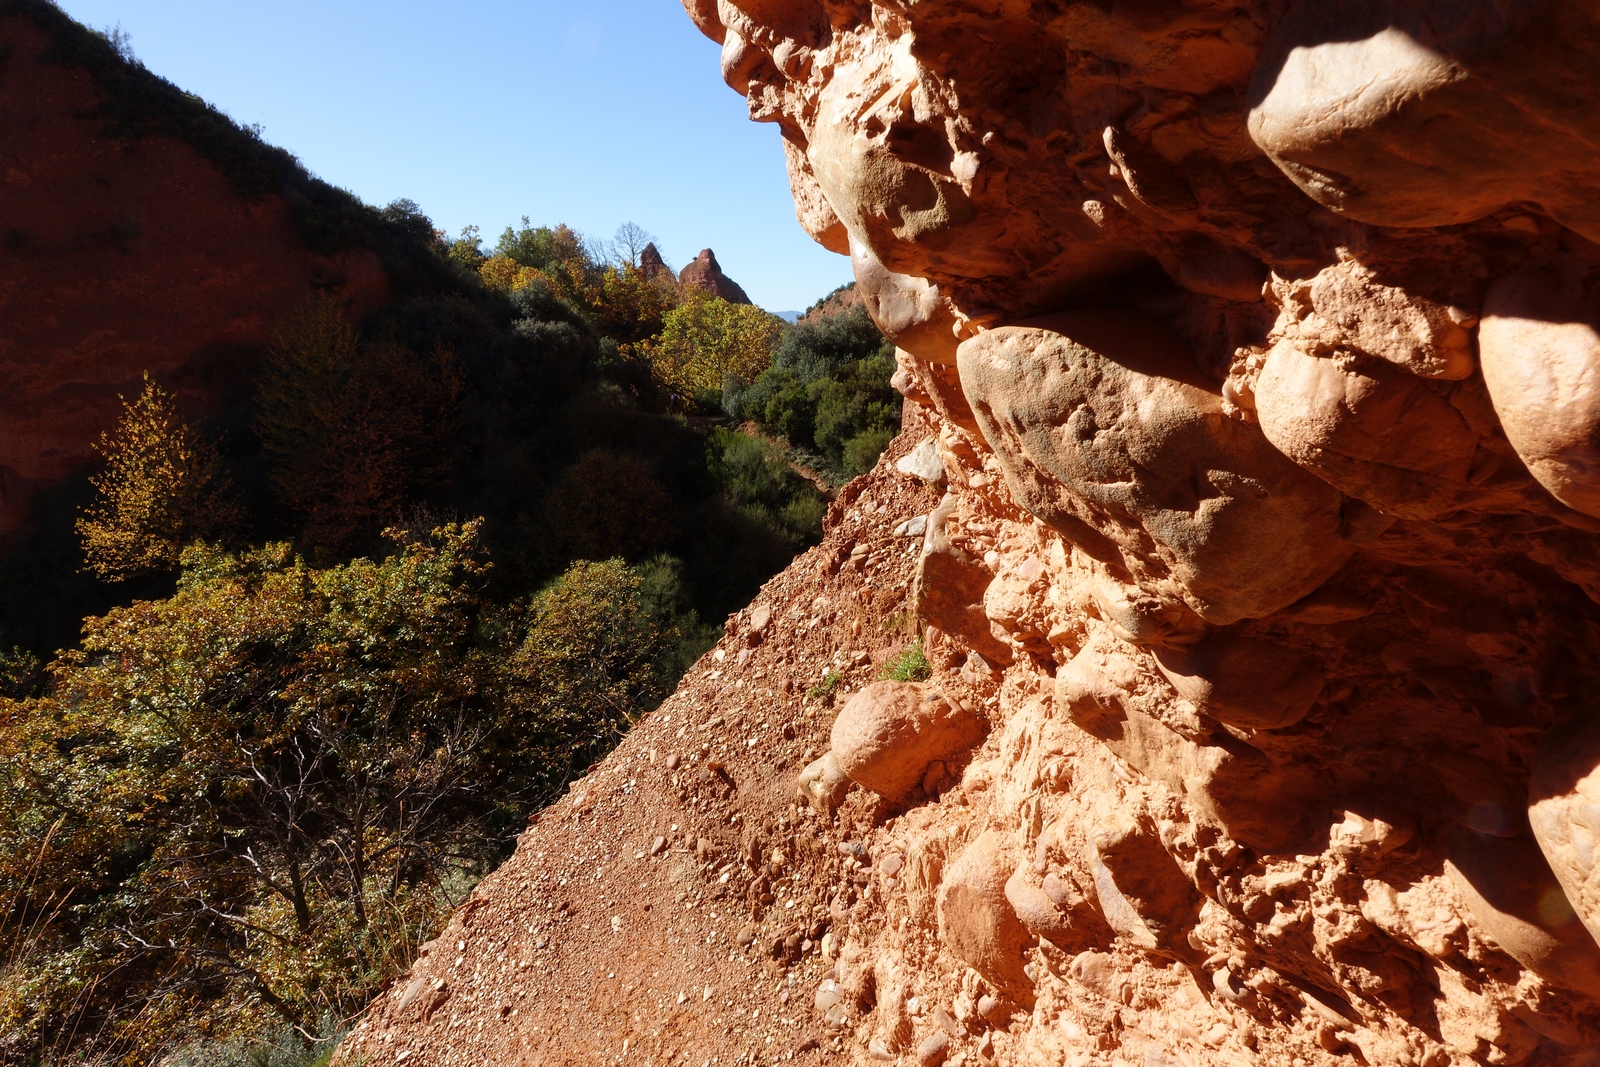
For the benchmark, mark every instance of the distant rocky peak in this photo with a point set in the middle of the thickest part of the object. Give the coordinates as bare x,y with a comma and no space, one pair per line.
650,262
706,273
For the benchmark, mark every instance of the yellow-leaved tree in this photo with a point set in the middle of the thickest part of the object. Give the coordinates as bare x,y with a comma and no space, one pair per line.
162,487
705,340
503,272
619,300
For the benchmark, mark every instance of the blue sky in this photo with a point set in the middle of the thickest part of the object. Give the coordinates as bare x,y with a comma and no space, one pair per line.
589,112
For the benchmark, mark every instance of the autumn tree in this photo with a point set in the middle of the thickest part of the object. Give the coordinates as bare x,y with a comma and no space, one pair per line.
630,306
467,249
617,298
161,487
506,274
706,340
353,428
591,663
606,505
245,806
557,257
542,246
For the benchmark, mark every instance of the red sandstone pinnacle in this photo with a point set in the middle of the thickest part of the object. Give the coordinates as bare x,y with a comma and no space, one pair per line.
705,273
651,265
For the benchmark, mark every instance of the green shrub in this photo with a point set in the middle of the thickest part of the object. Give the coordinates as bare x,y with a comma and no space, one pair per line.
245,806
591,663
911,665
861,452
827,392
757,478
280,1046
664,597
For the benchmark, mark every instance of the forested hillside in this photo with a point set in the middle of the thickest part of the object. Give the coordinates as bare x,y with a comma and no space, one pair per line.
293,657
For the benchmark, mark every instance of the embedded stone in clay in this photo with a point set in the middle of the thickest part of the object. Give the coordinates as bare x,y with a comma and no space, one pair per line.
1108,432
1388,438
923,462
1230,783
977,921
1433,114
823,784
1244,682
1348,308
1541,359
1144,894
1564,809
890,732
1512,893
949,588
907,309
1060,923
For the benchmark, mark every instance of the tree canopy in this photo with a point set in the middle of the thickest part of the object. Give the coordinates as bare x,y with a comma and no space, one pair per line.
706,342
353,426
247,804
237,804
827,392
161,487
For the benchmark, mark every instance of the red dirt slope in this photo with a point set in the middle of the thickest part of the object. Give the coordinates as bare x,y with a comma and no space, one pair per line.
673,907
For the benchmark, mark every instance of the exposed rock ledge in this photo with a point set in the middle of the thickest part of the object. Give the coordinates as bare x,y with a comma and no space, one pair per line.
1259,343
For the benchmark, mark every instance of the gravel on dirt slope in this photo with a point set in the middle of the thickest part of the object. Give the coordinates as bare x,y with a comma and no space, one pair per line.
682,904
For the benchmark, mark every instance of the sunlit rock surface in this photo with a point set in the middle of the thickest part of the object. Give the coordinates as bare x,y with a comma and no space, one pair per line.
1259,344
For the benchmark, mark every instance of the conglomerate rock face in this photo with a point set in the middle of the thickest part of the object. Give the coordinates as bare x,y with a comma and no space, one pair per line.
1256,344
1264,336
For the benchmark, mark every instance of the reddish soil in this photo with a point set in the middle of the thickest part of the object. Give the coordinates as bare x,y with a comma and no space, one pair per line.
672,908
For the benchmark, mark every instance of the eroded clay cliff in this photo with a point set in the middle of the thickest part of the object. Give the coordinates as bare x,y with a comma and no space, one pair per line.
128,249
1256,346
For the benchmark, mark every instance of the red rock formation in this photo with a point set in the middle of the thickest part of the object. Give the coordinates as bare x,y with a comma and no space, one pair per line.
835,303
706,273
126,254
651,265
1258,342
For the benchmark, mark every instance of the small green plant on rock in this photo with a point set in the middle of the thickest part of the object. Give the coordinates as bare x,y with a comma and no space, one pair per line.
911,665
823,690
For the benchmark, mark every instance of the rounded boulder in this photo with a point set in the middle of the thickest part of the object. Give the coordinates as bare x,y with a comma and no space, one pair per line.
977,921
891,732
1564,809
